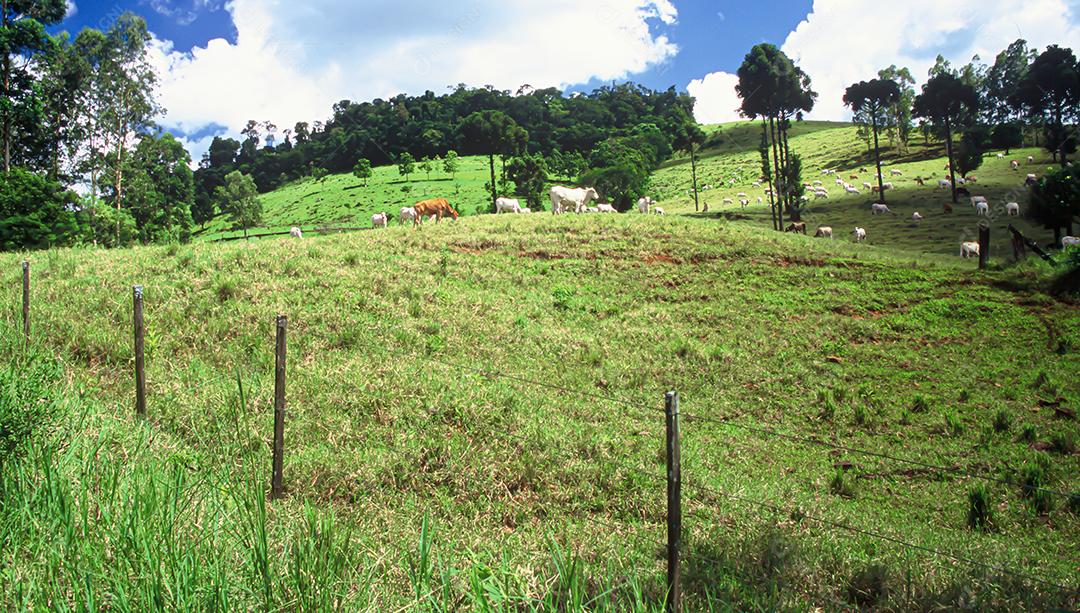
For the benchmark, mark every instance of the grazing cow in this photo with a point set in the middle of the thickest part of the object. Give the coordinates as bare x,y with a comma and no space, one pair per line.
889,186
969,250
973,180
961,181
435,209
525,210
916,217
880,209
853,177
797,228
859,234
944,184
947,208
962,192
658,211
867,185
1031,159
605,208
728,201
565,198
851,190
983,209
760,200
1015,165
406,214
507,205
920,181
823,232
1069,241
975,200
744,203
379,220
821,194
591,209
296,232
896,173
643,205
1001,156
1012,209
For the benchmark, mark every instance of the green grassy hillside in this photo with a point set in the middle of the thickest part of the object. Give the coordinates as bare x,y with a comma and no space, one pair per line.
549,496
343,200
832,146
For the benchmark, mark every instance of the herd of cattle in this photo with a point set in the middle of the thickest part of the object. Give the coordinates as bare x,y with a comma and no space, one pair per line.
577,200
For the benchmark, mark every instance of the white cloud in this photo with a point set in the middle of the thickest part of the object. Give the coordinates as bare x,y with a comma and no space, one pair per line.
293,60
72,9
845,41
717,101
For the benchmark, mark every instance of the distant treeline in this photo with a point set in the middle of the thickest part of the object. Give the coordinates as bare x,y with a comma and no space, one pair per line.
563,129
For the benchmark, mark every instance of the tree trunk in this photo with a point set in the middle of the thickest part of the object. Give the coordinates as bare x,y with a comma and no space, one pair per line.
769,179
793,206
6,94
877,159
952,166
778,191
494,191
693,173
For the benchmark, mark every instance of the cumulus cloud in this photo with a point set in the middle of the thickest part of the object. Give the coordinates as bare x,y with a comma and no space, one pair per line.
717,101
72,9
844,41
292,60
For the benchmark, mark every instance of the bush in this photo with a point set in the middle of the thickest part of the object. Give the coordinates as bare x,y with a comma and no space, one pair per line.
34,212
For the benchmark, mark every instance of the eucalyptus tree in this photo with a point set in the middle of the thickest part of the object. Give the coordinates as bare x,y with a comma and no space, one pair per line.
1051,89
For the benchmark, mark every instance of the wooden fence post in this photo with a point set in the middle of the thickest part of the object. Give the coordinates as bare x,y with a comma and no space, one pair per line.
984,246
279,409
26,300
674,503
140,362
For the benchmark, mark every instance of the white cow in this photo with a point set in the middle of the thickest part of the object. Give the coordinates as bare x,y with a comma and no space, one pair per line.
975,200
564,198
866,184
983,209
851,190
507,205
1070,241
880,209
1031,159
296,232
605,208
407,214
525,210
643,205
658,211
744,202
824,232
1001,156
896,173
916,217
1012,209
1014,164
859,234
728,201
969,250
379,220
944,184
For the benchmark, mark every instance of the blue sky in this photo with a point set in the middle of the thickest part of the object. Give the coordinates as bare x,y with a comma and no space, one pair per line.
222,63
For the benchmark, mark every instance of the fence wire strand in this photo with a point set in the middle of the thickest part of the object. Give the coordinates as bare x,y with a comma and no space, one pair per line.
874,454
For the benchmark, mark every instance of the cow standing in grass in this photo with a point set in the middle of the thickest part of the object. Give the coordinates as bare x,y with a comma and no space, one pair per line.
436,208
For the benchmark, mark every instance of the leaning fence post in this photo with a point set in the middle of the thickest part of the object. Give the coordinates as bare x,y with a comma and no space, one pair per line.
140,362
279,408
984,246
674,503
26,300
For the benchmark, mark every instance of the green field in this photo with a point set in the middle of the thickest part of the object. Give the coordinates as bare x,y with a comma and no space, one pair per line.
539,497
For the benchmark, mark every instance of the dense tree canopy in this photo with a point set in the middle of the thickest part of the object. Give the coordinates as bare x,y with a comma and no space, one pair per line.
871,102
948,101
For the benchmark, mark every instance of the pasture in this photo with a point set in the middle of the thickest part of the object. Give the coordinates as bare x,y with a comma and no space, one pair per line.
543,496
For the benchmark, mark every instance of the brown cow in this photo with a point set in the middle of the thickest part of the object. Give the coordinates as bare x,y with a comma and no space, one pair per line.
797,228
439,207
948,209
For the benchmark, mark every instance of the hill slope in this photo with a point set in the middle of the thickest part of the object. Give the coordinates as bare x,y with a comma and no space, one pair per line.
389,421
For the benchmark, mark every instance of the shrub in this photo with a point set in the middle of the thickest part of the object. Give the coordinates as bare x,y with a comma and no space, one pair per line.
980,514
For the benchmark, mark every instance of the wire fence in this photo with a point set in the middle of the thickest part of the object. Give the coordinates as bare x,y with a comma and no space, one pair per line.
698,491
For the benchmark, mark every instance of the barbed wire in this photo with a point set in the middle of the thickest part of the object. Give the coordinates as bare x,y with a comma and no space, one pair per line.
712,495
955,470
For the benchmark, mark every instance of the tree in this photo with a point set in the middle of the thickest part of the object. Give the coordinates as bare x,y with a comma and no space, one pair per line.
22,39
872,100
161,190
773,88
239,199
486,132
1002,84
451,163
1055,201
946,100
690,141
899,120
426,167
362,170
1006,136
969,154
406,165
1051,88
529,175
34,212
